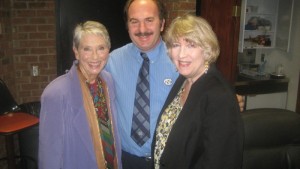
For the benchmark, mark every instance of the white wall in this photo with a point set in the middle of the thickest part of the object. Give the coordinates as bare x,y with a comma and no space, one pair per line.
273,100
291,62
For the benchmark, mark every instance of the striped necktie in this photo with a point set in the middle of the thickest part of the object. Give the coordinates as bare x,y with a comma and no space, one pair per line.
140,129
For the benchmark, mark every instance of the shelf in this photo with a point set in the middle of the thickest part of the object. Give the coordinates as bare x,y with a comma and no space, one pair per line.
261,18
250,86
258,24
259,31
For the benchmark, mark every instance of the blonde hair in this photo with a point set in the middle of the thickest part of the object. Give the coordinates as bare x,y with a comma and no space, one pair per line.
196,30
90,27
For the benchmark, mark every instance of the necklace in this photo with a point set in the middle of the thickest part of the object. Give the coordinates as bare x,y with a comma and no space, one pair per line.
185,92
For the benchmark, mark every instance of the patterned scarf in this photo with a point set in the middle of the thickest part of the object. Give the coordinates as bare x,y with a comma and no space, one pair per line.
97,92
92,118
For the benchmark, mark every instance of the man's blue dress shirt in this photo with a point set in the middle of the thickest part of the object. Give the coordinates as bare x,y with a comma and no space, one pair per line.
124,64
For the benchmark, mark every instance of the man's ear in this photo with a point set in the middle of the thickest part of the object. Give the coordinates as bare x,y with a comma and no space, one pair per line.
162,25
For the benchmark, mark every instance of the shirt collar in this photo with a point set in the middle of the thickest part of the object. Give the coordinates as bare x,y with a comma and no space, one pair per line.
153,54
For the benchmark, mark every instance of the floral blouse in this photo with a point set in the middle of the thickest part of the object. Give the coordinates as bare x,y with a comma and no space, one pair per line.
165,125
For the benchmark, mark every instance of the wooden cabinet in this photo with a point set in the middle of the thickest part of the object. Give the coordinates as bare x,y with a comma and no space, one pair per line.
225,20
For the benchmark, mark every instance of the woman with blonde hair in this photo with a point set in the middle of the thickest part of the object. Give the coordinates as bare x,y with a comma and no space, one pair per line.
200,125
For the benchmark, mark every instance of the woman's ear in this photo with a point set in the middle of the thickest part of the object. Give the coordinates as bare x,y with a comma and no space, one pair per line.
75,50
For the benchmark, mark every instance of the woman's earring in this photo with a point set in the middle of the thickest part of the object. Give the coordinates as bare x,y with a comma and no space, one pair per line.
206,66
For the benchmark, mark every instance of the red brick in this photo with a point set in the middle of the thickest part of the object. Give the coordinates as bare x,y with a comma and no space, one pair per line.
51,35
42,65
50,5
27,43
48,58
4,46
46,28
38,36
27,28
45,13
26,73
21,51
37,92
39,20
20,36
29,86
6,61
20,5
25,13
38,79
50,78
18,21
49,71
38,50
25,93
169,6
184,6
51,50
46,43
23,79
24,0
51,20
36,5
29,58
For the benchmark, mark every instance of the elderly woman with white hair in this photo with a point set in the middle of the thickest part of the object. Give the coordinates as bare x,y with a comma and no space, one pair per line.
77,118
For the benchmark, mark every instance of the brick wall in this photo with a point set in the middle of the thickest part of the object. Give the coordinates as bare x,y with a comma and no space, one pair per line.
33,29
179,7
28,40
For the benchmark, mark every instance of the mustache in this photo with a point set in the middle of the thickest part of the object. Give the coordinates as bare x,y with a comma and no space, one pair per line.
143,34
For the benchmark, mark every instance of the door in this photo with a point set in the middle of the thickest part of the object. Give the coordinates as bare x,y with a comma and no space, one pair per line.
225,20
71,12
298,97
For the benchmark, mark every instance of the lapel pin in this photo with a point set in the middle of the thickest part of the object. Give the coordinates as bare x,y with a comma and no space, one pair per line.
168,82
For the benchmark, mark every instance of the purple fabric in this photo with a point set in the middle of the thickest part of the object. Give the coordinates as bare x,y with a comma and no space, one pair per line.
64,136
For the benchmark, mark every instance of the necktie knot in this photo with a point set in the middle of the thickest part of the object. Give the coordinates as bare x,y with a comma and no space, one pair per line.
145,57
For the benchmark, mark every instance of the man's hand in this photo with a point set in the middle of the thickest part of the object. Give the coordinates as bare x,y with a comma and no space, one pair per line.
241,101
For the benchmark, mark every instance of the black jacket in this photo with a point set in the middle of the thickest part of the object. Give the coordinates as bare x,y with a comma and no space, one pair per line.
208,133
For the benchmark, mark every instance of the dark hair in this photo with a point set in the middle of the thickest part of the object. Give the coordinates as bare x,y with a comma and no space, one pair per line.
159,3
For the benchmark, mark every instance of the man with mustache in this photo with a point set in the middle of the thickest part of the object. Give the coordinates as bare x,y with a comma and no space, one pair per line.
145,21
